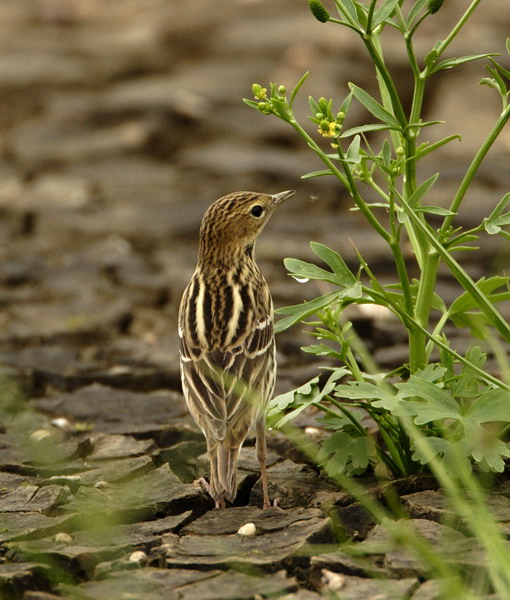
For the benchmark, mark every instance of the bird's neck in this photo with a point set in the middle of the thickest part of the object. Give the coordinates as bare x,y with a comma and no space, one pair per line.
230,257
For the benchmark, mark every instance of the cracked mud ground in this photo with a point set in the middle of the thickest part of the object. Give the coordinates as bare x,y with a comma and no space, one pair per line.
120,123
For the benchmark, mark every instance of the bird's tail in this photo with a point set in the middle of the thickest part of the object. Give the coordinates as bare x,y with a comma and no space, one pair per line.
223,477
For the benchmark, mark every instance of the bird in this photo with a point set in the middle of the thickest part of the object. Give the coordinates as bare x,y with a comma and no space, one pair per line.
226,338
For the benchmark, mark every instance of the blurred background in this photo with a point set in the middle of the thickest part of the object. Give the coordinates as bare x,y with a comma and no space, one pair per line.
122,120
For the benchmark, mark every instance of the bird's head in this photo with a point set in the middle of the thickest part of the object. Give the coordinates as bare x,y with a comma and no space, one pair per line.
232,224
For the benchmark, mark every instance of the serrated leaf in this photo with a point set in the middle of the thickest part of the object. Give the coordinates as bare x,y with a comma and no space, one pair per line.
340,421
298,312
452,455
431,373
321,350
283,401
335,262
373,106
498,219
493,405
303,401
344,454
435,403
487,450
361,390
308,270
467,384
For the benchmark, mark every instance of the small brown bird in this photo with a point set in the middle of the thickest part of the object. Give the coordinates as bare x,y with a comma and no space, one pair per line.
226,338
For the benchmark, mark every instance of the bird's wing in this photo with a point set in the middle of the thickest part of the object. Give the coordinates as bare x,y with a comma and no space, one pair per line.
226,389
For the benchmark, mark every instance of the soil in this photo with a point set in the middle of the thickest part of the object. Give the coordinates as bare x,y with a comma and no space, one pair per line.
120,123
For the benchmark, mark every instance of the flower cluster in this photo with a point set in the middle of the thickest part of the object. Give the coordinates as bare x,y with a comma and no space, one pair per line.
328,125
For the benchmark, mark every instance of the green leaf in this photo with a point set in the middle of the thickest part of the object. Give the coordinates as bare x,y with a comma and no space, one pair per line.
382,13
493,405
467,384
283,401
373,106
321,350
347,9
340,421
251,103
454,62
306,270
342,453
317,174
498,219
426,148
466,302
353,151
417,8
386,153
434,404
453,455
462,276
487,450
314,107
432,373
336,263
300,400
346,104
297,88
435,210
415,199
379,397
366,129
298,312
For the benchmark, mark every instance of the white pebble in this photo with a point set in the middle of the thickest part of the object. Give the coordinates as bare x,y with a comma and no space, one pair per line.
138,557
61,423
100,485
39,434
333,581
63,538
247,529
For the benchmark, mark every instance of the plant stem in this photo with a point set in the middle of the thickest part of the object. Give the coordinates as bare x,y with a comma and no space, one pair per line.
454,32
472,170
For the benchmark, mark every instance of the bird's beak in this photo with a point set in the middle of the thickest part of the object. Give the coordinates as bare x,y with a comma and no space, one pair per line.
282,197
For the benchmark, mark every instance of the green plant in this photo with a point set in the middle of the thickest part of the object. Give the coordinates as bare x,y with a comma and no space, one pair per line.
452,402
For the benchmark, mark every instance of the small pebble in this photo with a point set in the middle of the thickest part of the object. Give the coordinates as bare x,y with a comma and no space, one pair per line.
247,529
312,432
138,557
100,485
61,423
333,581
39,434
63,538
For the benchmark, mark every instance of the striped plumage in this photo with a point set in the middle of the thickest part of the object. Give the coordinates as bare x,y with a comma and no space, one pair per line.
226,336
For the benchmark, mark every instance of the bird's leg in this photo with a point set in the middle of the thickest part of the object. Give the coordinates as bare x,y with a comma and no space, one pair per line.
261,456
218,502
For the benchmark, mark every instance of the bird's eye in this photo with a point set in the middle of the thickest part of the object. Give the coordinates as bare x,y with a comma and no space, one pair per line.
257,211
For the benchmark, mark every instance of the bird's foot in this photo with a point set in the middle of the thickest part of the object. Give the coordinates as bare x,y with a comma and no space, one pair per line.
203,484
269,504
